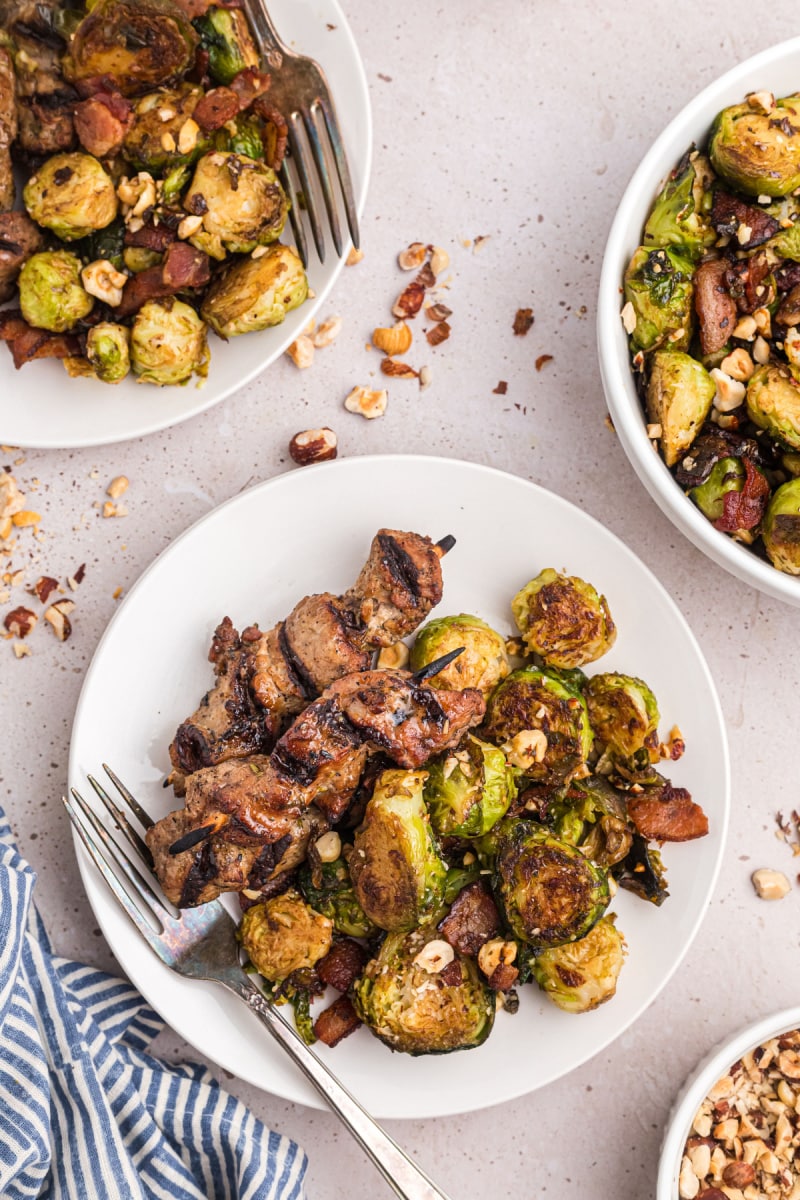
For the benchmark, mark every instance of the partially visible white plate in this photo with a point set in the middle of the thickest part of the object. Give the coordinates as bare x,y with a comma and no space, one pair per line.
310,530
40,406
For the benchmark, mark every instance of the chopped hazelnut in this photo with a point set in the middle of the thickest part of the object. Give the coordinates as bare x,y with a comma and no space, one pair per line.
20,621
327,332
368,403
57,615
313,446
412,257
769,884
118,485
301,351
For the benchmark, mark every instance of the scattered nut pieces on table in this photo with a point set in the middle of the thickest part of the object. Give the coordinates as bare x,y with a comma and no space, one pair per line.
313,446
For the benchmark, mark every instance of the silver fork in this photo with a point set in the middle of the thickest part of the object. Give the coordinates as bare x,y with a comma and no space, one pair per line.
200,943
300,92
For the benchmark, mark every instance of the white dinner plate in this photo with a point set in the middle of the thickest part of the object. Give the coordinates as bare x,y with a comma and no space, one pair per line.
40,406
310,531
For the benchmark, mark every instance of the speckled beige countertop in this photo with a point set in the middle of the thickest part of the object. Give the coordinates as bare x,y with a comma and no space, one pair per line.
519,123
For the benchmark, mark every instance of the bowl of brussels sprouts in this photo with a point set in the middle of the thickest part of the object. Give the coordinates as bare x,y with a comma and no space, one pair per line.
752,1078
699,316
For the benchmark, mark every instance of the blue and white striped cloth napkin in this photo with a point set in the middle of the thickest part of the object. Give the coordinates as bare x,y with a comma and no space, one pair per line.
85,1112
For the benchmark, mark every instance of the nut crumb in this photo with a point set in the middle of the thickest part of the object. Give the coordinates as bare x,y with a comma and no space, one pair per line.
393,341
541,360
368,402
769,884
354,257
397,370
523,321
118,485
57,616
440,333
425,378
326,333
501,389
313,446
301,351
21,649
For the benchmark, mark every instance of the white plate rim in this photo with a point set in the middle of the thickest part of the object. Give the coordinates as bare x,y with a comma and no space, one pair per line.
468,1103
280,338
616,375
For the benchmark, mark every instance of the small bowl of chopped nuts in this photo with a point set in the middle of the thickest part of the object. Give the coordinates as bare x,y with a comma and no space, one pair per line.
694,320
734,1132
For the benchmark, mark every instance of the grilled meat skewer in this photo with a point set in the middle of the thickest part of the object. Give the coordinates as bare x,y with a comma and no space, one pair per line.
44,98
266,679
253,803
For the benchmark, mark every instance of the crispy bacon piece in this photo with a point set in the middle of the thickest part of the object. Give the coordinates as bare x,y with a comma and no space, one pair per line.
473,919
336,1022
732,216
716,309
343,964
671,817
278,139
101,122
183,267
744,509
248,85
151,237
503,977
26,343
217,107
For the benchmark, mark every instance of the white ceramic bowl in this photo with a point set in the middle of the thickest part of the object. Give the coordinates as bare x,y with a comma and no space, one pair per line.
776,70
700,1082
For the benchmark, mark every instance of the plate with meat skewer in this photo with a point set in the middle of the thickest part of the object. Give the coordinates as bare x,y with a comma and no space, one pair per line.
295,716
127,299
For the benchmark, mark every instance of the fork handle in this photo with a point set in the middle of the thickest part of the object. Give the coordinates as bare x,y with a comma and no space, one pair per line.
267,37
403,1176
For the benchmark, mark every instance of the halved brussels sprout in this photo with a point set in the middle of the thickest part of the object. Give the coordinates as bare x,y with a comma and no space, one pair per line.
72,195
781,528
727,475
283,935
773,402
420,1011
108,350
469,789
334,897
254,293
756,151
51,295
241,201
397,873
483,663
225,35
141,44
247,138
658,283
679,216
593,817
168,342
534,701
562,618
549,891
582,975
623,713
680,393
153,142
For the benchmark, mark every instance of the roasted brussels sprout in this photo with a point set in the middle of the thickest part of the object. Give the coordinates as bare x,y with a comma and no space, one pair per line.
51,294
175,181
225,36
334,897
483,663
108,351
284,935
542,724
773,402
139,258
781,528
413,1005
623,713
641,872
253,293
549,891
241,201
469,790
680,214
72,195
159,140
582,975
727,475
246,138
680,393
592,816
658,284
107,244
141,44
562,618
756,151
397,873
168,342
